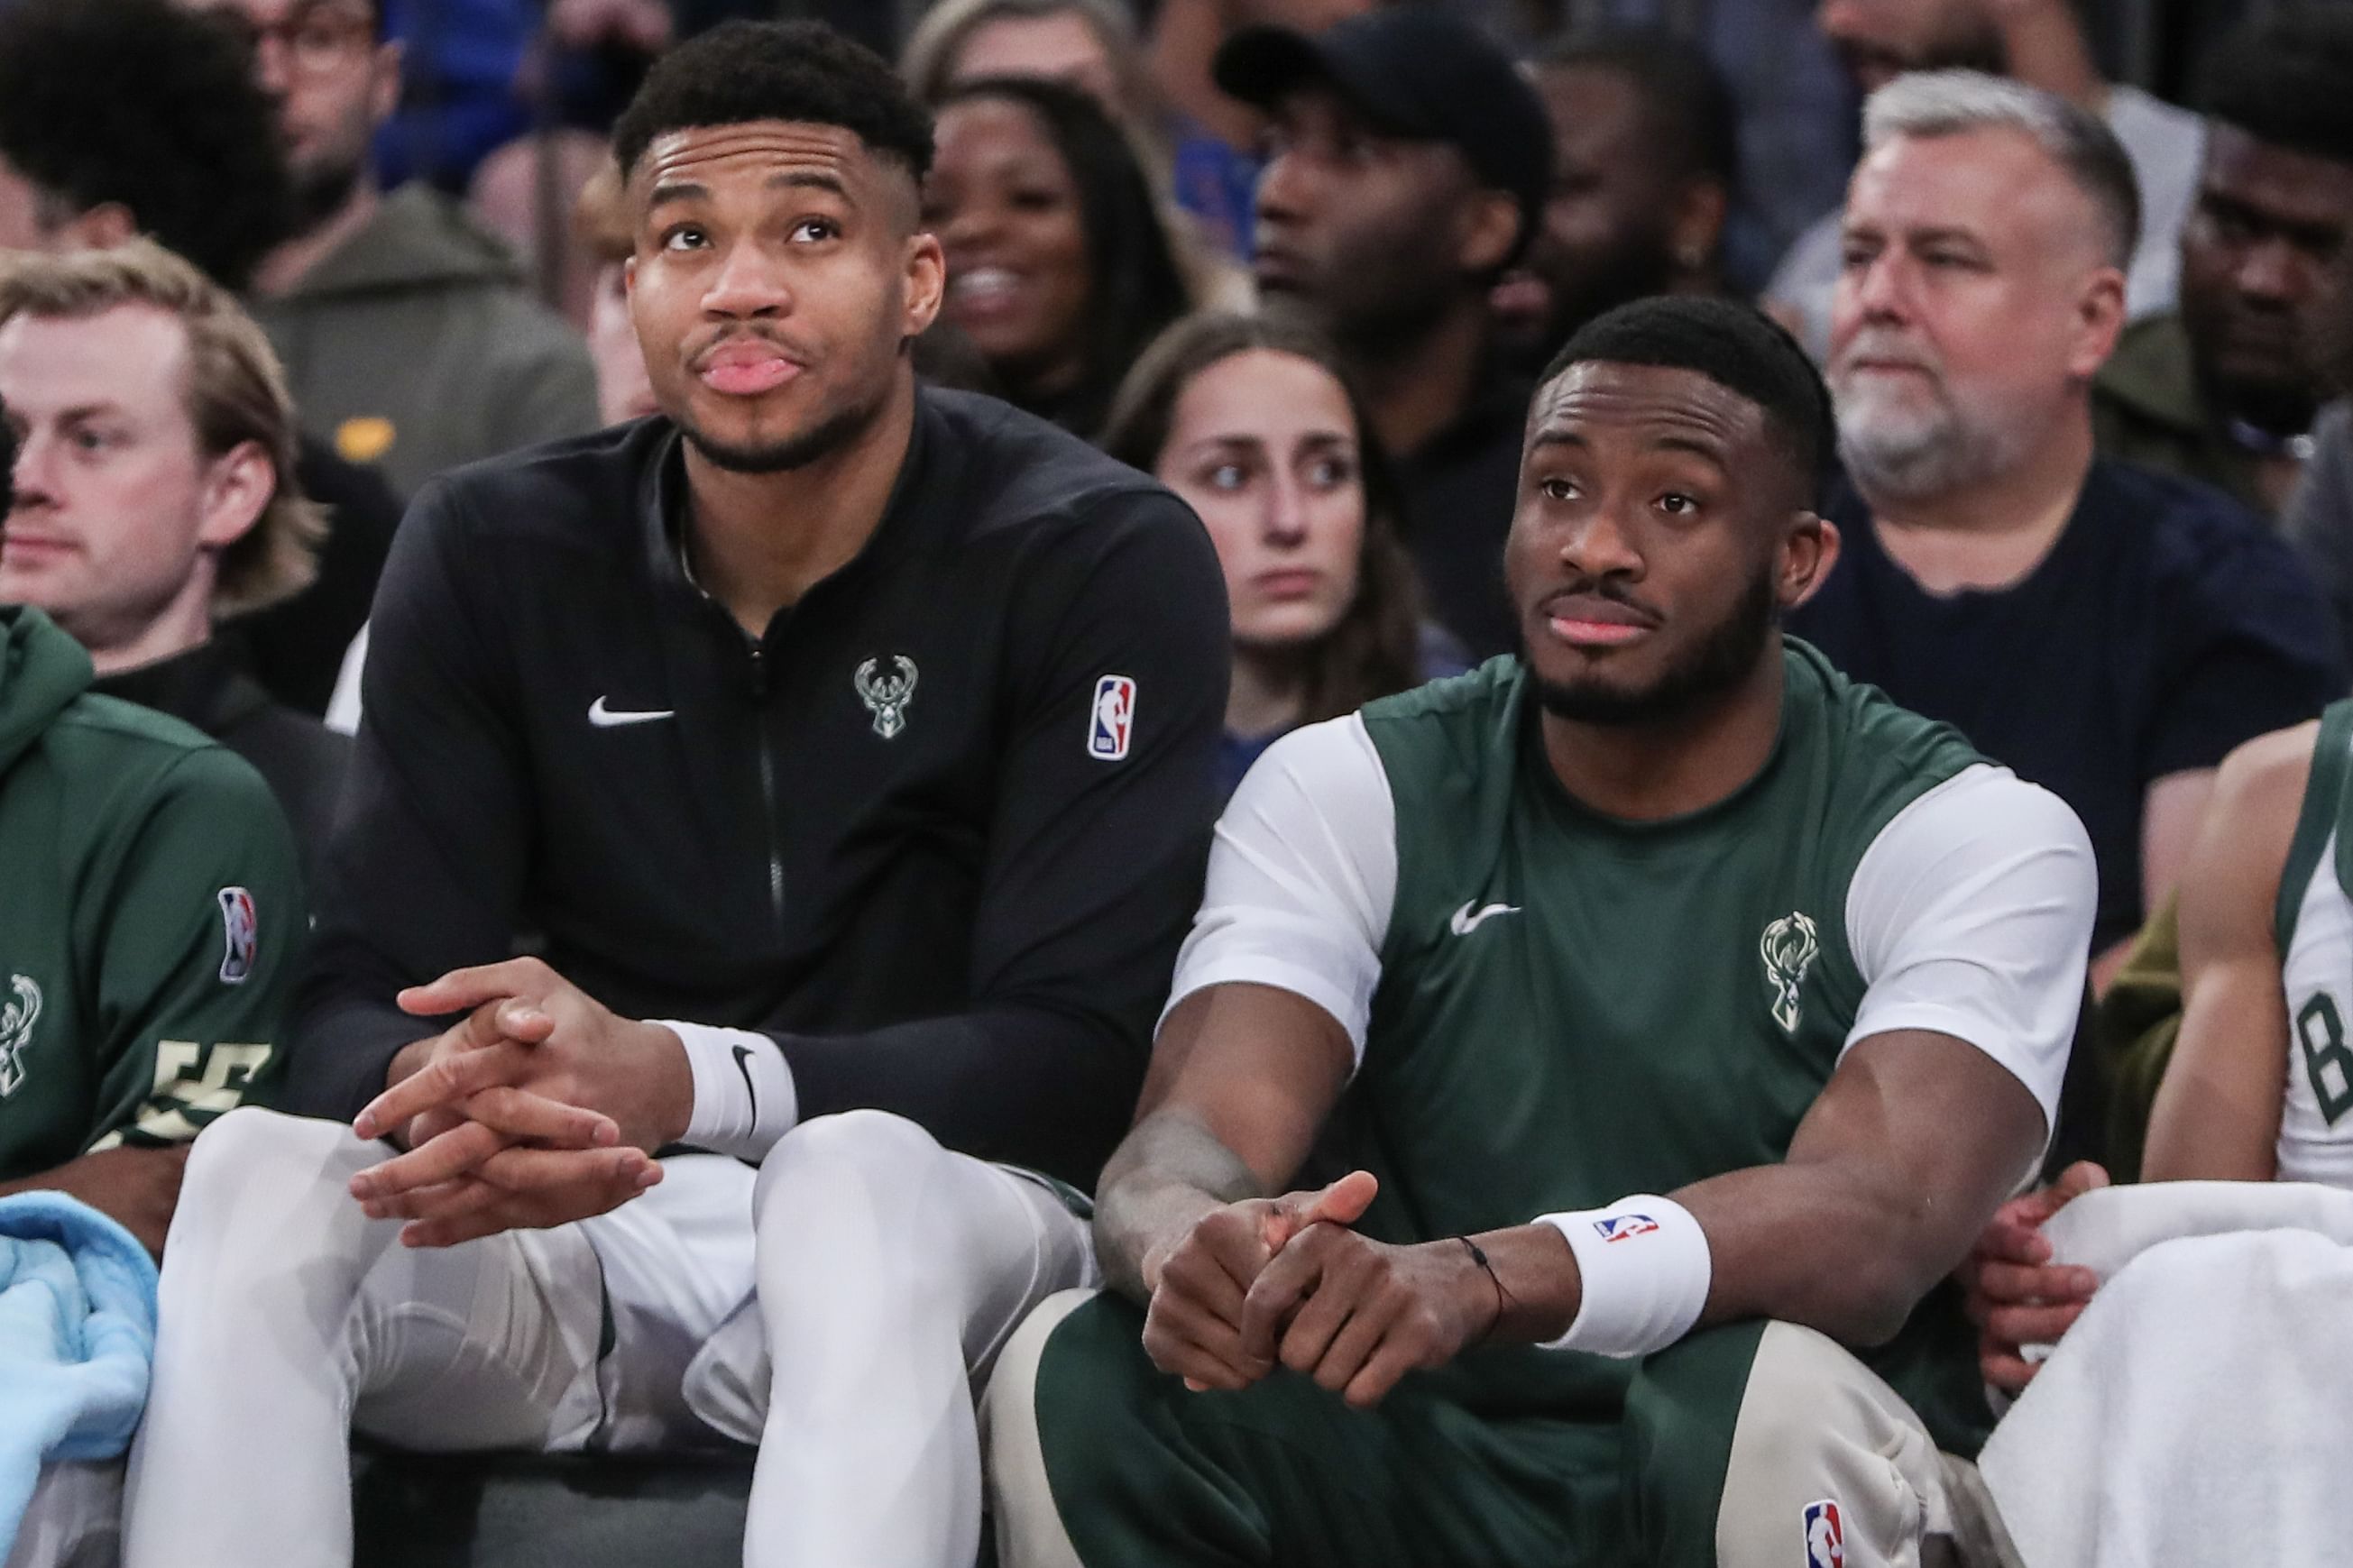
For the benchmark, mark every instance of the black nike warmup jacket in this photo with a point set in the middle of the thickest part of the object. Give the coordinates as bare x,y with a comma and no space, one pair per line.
939,832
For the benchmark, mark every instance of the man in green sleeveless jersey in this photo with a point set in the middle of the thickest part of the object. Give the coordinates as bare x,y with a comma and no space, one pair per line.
2258,1085
2172,1423
1665,906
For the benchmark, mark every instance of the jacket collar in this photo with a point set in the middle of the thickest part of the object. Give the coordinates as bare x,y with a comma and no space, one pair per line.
203,687
662,503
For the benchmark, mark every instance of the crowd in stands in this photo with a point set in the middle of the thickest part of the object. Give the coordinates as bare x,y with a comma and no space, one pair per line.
1232,782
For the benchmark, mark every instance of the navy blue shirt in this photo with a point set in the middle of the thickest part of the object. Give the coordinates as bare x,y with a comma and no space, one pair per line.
1441,656
2167,626
1458,491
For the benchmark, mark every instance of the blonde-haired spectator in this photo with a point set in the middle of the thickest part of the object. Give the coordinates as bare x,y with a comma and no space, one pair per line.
155,494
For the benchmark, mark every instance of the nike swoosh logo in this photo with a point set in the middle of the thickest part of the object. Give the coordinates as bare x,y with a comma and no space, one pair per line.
1464,923
743,1065
606,718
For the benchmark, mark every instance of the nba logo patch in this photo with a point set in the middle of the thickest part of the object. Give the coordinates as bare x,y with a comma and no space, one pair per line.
1111,719
1619,1226
241,928
1825,1536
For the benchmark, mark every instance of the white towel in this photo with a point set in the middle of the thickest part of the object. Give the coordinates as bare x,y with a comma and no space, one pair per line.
2199,1412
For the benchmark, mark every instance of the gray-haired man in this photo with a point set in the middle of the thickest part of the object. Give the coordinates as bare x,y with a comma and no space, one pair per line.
2109,632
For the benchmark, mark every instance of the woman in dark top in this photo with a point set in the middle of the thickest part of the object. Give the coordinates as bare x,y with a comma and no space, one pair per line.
1253,422
1060,270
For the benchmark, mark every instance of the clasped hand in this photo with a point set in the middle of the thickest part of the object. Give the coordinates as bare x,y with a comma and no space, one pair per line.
539,1108
2016,1294
1285,1280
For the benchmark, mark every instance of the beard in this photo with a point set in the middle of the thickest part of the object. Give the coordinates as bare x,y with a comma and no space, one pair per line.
821,441
1373,307
1712,670
2278,386
1895,447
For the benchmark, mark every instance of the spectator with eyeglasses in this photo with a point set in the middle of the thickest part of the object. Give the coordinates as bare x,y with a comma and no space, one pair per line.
409,337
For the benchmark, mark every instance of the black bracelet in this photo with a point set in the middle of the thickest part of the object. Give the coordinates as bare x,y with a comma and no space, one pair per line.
1502,1297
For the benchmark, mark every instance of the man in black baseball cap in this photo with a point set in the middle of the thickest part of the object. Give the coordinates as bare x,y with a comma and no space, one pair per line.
1408,165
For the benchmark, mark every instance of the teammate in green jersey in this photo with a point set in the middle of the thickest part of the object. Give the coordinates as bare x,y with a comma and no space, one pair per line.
2259,1085
1677,1011
150,916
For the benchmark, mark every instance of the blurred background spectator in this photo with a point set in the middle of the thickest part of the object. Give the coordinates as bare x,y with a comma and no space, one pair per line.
1089,45
1058,269
2043,44
1411,161
407,335
2109,632
127,116
2318,519
602,224
154,496
1092,45
1645,162
2225,388
1252,421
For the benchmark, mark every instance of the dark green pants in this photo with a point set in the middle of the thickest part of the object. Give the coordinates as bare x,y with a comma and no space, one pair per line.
1103,1460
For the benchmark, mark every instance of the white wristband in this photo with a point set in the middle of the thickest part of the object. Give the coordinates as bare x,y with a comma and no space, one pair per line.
1644,1265
744,1096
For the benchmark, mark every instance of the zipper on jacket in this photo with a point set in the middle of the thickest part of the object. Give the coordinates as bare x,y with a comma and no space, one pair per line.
768,787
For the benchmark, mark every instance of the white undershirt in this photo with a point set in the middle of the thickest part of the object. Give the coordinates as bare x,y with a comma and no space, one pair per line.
1971,914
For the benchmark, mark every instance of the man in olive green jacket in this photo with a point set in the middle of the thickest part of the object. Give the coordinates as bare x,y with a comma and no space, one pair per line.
2224,391
409,337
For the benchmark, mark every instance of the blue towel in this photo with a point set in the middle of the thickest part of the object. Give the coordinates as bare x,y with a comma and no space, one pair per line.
77,1338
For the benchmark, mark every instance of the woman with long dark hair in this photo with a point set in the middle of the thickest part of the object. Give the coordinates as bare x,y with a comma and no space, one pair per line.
1059,270
1252,421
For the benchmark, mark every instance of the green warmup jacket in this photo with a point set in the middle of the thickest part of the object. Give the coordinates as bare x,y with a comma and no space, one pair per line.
415,345
151,919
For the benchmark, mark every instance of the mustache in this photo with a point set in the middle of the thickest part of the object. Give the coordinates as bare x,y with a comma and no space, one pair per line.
1605,588
721,337
1888,348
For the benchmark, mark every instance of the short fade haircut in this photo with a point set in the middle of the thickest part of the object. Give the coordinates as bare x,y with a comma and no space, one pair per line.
141,103
1687,107
1951,102
235,392
1736,346
2286,78
739,72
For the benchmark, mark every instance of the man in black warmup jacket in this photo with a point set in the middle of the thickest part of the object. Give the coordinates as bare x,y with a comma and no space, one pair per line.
868,732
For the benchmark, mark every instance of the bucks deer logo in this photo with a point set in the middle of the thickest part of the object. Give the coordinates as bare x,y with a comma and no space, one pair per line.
16,1019
887,686
1788,947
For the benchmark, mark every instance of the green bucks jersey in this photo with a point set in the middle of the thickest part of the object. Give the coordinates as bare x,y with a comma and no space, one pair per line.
2313,925
152,917
1554,1008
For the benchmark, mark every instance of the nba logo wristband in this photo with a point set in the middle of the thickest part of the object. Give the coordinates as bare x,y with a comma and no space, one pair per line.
1644,1268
